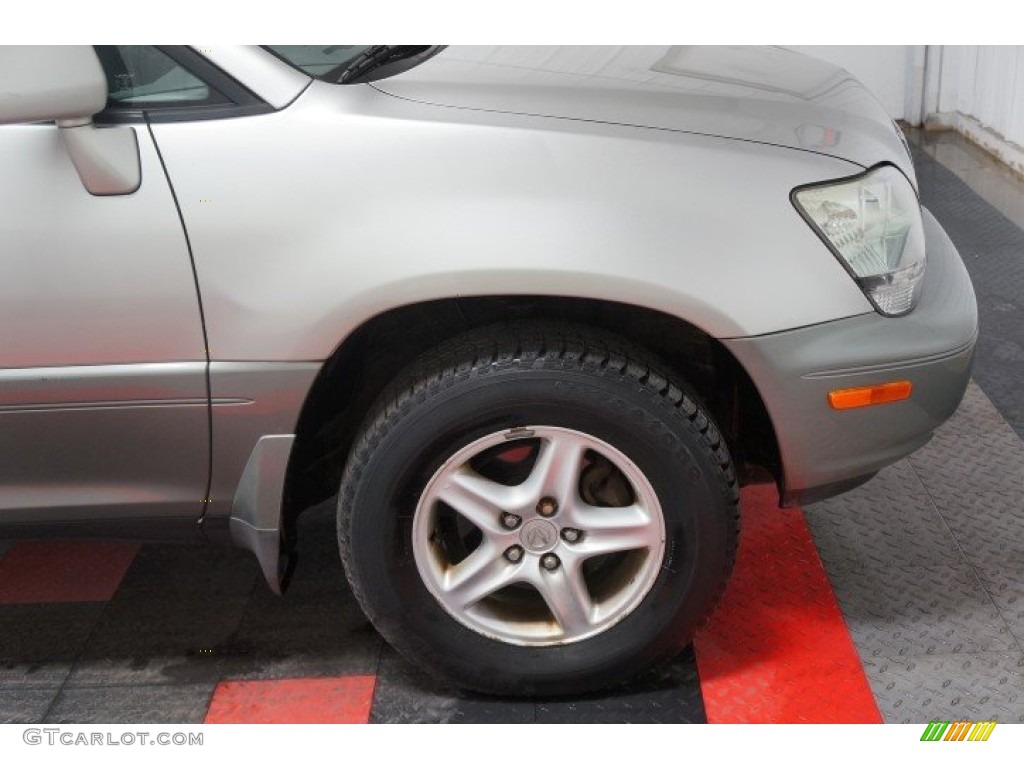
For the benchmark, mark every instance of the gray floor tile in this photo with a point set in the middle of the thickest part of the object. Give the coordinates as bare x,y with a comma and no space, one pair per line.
988,525
890,521
913,610
951,466
1005,585
974,686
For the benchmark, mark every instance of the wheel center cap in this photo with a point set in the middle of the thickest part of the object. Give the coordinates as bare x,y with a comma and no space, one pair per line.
539,536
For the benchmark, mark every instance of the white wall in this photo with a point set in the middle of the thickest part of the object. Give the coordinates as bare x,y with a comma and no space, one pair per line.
979,91
985,85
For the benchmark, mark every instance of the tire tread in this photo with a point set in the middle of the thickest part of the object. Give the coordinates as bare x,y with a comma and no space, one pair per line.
532,345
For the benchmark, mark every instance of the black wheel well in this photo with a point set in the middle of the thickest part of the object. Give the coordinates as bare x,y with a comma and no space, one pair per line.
359,369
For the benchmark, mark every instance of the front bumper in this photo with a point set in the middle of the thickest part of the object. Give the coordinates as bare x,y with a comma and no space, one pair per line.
824,451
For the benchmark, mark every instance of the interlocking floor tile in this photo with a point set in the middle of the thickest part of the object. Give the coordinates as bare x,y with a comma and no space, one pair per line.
302,635
918,610
991,245
25,705
959,686
777,649
131,704
52,633
667,694
888,522
317,700
406,694
63,571
1005,585
174,571
139,640
33,675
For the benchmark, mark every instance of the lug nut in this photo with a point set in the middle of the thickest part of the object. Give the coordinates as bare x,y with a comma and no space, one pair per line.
550,562
546,507
511,521
571,535
514,554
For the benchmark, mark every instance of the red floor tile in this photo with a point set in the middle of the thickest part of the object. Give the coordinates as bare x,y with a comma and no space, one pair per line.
309,700
63,571
778,650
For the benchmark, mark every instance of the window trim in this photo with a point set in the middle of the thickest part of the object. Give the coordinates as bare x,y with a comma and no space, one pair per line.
241,101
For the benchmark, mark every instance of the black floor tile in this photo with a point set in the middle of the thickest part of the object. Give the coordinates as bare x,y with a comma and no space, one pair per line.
34,675
132,704
667,694
45,632
141,640
406,694
170,571
302,635
25,705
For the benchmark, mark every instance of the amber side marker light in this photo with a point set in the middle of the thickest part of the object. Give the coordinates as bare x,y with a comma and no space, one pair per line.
859,397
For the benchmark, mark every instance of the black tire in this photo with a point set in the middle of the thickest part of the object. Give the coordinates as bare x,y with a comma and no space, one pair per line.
560,375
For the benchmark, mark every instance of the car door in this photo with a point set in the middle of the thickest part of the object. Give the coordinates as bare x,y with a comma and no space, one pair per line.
104,411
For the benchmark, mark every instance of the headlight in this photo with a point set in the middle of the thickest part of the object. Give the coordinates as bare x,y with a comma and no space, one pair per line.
873,224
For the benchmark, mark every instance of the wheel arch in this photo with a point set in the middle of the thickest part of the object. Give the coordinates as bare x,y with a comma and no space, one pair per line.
378,349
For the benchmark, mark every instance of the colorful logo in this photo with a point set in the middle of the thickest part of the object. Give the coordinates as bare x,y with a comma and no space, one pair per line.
958,731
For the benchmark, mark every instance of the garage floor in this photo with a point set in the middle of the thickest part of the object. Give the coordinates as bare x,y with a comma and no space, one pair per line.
901,601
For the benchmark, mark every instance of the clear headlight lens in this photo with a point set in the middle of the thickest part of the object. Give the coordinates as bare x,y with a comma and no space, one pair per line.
873,224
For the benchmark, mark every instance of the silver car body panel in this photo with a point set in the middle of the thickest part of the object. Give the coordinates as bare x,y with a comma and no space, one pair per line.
751,93
94,280
932,347
386,202
658,177
103,401
250,400
103,442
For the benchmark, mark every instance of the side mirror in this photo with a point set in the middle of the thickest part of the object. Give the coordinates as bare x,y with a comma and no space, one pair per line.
66,84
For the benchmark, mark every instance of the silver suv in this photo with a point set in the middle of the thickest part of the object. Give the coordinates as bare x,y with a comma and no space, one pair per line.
533,314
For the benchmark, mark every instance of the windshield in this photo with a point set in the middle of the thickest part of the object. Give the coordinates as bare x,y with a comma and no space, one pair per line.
325,62
353,63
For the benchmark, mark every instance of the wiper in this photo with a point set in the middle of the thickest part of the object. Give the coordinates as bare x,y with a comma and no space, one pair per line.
377,56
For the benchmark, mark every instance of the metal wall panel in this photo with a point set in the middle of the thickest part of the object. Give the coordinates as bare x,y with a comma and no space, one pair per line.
985,82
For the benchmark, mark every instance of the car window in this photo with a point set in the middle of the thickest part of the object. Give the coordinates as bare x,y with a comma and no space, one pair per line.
317,60
144,77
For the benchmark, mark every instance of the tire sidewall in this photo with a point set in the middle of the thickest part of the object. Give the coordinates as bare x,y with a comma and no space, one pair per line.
433,423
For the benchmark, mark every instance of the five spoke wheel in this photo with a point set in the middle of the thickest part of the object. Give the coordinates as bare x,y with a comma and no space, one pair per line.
538,535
